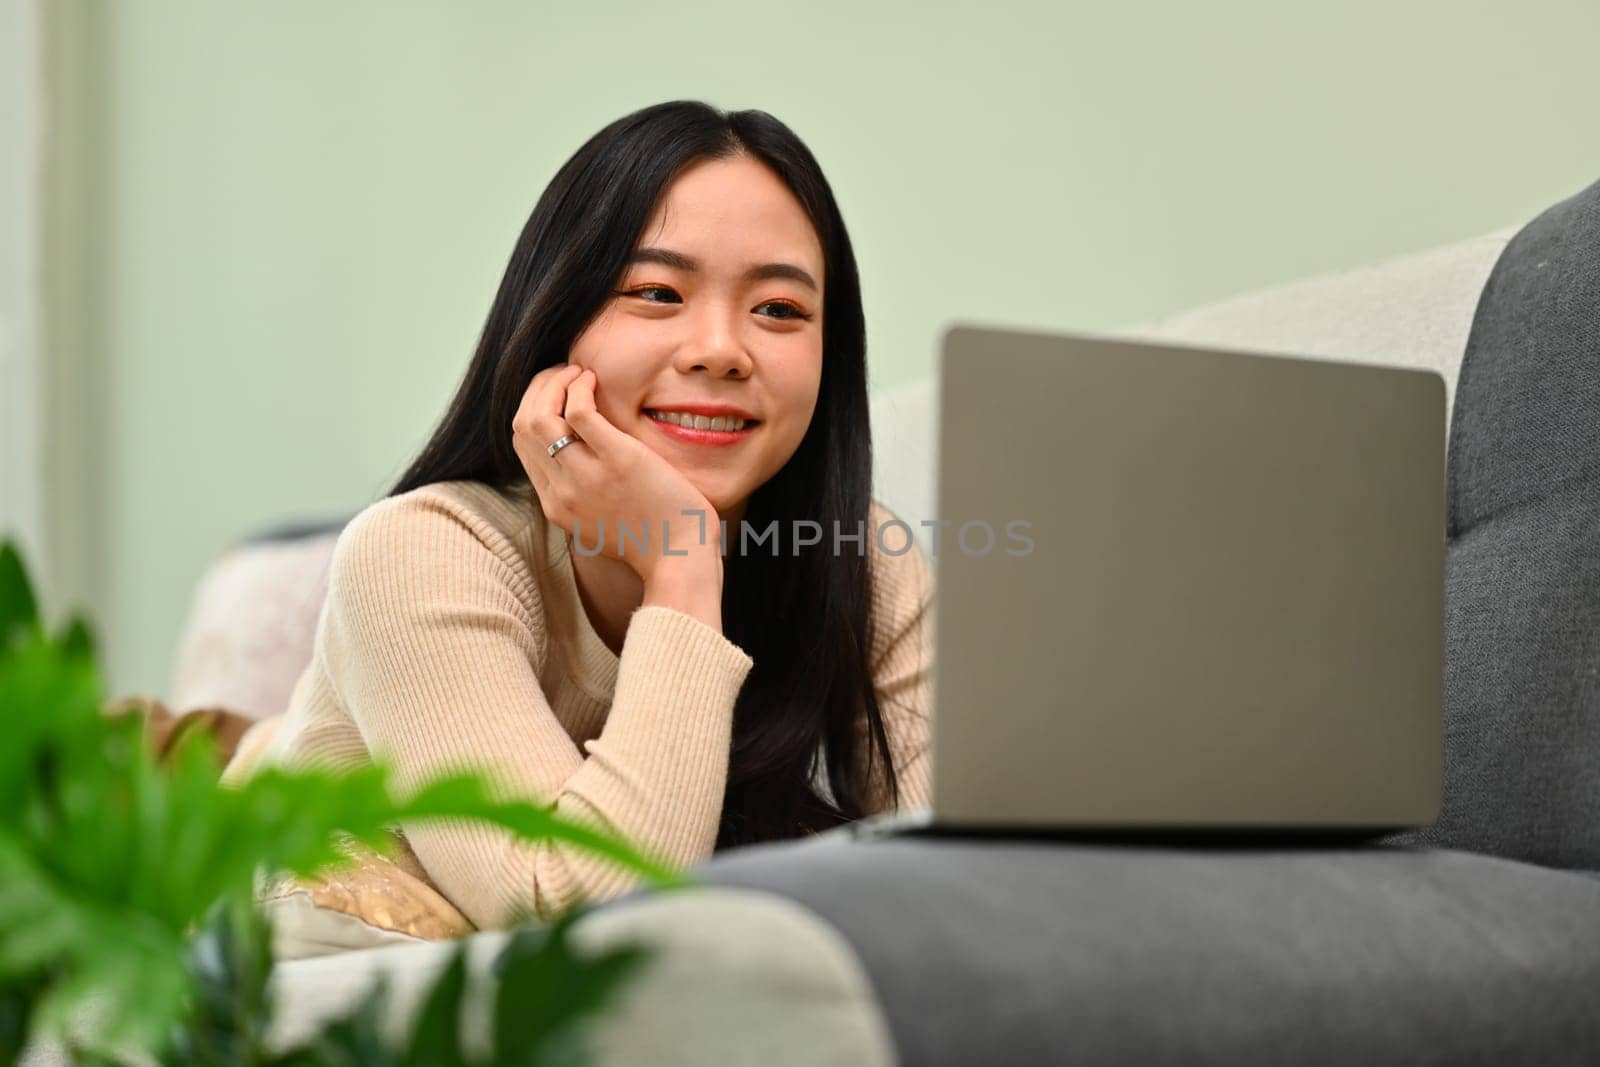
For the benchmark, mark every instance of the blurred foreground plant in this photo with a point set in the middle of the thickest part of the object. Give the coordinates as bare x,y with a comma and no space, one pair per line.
126,919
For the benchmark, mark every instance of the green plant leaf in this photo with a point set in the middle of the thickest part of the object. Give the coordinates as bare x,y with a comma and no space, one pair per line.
436,1032
48,707
19,612
17,1000
77,640
229,960
355,1040
128,883
545,991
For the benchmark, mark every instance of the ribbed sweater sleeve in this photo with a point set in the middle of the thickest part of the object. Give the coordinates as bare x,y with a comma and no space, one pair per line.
902,673
431,644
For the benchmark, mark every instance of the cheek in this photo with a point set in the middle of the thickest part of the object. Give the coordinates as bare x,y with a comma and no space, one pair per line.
799,406
617,401
597,346
620,378
805,387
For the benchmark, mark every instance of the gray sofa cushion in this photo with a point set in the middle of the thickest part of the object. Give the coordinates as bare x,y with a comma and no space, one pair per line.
1012,952
1522,615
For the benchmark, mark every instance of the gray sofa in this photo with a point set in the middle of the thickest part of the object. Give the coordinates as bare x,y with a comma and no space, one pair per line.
1475,941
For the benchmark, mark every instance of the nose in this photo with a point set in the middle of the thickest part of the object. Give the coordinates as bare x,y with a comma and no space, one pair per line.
714,346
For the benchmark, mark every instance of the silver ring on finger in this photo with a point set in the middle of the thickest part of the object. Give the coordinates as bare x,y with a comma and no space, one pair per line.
563,442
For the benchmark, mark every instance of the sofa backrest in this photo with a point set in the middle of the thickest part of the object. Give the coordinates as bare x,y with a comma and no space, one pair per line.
1522,597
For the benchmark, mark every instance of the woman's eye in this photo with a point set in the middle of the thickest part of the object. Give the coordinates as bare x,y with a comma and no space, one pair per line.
790,311
650,289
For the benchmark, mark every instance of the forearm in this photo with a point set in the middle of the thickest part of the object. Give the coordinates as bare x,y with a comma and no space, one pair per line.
691,584
656,775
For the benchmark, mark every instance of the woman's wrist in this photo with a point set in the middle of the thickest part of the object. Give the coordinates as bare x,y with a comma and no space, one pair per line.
691,584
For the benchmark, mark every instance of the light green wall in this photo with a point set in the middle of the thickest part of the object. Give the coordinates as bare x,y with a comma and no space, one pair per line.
307,206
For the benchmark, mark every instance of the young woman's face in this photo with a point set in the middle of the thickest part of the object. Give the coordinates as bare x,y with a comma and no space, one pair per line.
720,307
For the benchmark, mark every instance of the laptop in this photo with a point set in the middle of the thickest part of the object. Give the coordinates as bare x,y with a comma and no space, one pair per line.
1182,591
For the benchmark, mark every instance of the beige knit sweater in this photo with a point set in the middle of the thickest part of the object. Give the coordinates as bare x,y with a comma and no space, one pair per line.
453,636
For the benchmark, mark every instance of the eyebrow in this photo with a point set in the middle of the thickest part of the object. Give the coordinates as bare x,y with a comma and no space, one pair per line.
678,261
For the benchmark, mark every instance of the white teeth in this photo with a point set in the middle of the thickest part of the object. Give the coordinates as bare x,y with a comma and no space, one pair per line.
699,422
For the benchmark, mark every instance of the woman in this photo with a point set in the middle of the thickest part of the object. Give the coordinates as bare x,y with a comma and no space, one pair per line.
544,595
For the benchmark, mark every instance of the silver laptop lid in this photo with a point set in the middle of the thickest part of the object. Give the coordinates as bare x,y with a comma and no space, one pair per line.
1185,588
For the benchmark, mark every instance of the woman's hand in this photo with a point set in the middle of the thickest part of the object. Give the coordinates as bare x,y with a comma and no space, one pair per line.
608,477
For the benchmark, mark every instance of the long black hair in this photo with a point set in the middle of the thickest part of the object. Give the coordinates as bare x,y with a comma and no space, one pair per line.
805,620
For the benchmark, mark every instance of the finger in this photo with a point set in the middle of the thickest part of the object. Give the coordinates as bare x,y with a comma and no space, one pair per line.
530,434
535,398
550,417
546,402
585,417
551,374
574,451
538,421
561,477
573,466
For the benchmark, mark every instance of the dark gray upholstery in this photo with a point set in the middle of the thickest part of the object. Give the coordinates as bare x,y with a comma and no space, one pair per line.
1522,599
1025,953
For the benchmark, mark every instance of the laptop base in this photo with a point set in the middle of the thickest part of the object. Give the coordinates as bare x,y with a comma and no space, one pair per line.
920,823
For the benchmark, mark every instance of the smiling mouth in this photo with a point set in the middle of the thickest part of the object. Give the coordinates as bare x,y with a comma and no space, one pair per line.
702,423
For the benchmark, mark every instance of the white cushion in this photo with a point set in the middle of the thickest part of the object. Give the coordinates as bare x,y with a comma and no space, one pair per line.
738,976
1413,311
250,627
